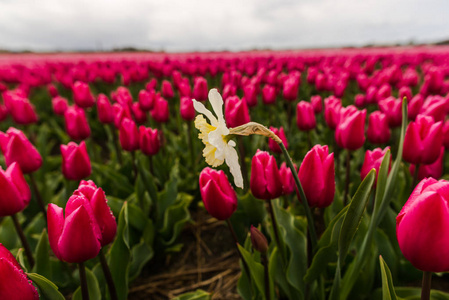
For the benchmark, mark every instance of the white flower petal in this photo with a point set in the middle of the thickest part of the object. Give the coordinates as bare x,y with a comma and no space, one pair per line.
217,104
232,160
199,107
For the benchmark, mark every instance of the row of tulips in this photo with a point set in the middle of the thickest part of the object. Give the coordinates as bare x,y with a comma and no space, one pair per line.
77,115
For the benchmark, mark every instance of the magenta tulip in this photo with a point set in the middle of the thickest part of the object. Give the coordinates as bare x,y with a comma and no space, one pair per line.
265,182
16,194
14,284
317,104
59,105
350,132
149,140
129,135
288,182
332,108
17,148
160,112
423,140
105,110
236,111
392,108
378,130
268,94
167,90
219,198
434,170
422,226
82,95
274,147
373,160
305,116
317,176
75,161
200,89
186,109
76,124
146,100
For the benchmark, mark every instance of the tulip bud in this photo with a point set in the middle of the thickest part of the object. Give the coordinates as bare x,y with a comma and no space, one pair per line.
383,92
434,170
101,210
105,110
14,284
149,140
76,123
15,194
274,147
160,112
317,104
186,109
250,95
82,95
184,89
332,108
219,198
75,161
317,176
288,182
414,106
52,90
151,85
129,135
392,108
371,93
360,100
406,92
17,148
236,111
22,111
120,113
146,100
59,105
422,226
350,132
290,88
200,89
423,140
167,89
373,160
436,107
378,131
76,237
268,94
258,240
305,116
265,182
139,115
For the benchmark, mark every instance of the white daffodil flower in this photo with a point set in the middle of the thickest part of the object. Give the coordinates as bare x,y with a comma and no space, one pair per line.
215,136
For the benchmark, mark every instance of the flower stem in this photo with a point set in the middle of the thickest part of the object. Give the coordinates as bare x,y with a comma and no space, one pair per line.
38,196
310,221
234,236
266,275
108,276
348,174
118,151
150,159
276,231
135,171
83,281
426,283
415,177
24,241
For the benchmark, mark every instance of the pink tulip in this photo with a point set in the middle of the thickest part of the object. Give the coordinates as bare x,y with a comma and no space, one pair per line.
268,94
59,105
305,116
265,179
82,95
129,135
17,148
200,89
392,108
288,182
219,198
350,132
76,124
332,108
373,160
274,147
16,194
101,210
139,115
423,140
236,111
317,176
186,109
422,226
146,100
75,161
167,90
378,131
14,284
414,106
105,110
160,112
149,140
317,104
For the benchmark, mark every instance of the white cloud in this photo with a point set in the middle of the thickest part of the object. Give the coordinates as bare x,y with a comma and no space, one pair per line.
177,25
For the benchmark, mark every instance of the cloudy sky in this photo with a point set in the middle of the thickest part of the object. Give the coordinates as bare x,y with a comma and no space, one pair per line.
201,25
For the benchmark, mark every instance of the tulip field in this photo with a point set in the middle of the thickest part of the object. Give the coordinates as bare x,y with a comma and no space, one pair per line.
313,174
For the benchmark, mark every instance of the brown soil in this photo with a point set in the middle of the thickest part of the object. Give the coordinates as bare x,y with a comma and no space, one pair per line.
208,261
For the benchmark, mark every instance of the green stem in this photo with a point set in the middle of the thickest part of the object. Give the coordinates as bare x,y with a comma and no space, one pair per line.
118,151
135,170
415,177
276,231
242,155
108,276
310,221
24,241
38,196
83,281
236,242
348,175
426,283
266,275
150,159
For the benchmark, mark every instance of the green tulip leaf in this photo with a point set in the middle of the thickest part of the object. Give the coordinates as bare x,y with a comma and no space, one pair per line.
48,290
92,287
42,265
387,282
